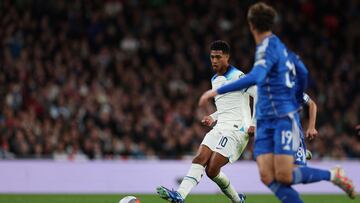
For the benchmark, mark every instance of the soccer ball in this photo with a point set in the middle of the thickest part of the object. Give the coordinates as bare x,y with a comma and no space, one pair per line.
129,199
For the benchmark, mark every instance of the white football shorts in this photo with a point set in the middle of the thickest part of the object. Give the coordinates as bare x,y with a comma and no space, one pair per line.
229,143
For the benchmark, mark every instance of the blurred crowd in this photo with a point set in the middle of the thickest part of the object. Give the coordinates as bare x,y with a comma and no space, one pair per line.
119,79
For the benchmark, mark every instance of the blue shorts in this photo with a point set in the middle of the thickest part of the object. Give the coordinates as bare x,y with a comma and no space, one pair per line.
300,155
278,135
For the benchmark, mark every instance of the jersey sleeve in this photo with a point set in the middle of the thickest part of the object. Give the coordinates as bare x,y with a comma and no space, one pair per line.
306,99
239,75
214,116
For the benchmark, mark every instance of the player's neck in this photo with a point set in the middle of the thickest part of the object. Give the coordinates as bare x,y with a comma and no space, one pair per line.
259,37
223,70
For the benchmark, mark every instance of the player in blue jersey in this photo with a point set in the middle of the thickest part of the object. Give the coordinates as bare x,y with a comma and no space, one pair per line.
278,133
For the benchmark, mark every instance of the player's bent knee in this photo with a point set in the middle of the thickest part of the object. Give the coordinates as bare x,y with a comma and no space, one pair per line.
284,165
201,159
283,177
212,172
266,177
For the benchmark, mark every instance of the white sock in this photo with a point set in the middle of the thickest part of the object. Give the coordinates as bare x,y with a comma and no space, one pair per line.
192,178
224,183
332,175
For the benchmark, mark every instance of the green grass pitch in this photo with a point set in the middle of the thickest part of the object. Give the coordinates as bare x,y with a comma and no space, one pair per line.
218,198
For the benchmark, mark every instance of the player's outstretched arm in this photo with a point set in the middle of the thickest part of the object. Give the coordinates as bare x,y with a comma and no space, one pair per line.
256,75
206,96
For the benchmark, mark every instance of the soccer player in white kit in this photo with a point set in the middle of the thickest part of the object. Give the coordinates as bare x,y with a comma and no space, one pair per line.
228,138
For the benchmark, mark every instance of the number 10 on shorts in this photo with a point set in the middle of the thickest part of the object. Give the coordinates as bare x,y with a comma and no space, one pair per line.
223,141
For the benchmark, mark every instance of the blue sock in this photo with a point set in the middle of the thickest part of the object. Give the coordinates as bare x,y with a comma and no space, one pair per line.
309,175
285,193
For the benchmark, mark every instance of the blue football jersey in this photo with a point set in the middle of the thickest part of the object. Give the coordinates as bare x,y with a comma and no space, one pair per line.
301,79
276,93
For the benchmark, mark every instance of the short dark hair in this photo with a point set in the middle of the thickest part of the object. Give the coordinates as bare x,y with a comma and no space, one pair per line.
220,45
262,16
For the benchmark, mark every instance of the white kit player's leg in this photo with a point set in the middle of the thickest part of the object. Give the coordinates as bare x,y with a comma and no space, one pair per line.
228,149
191,179
227,188
197,168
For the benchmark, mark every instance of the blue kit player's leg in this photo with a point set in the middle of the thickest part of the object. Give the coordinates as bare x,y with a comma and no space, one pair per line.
305,175
286,143
287,139
263,151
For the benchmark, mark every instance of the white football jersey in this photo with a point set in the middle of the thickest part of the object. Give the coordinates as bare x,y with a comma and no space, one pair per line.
233,108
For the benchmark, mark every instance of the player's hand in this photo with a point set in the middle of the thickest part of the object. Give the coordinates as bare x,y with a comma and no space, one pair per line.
207,120
206,96
311,133
251,131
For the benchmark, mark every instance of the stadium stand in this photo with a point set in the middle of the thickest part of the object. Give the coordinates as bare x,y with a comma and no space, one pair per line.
97,80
